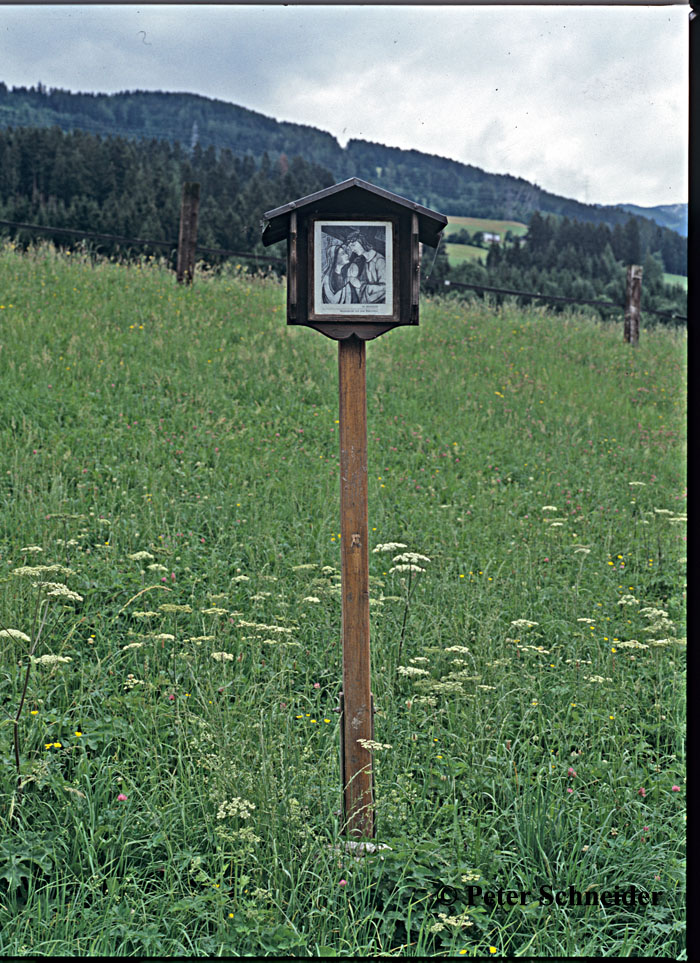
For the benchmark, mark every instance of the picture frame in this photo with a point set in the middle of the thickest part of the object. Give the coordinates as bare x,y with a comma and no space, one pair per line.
387,294
353,269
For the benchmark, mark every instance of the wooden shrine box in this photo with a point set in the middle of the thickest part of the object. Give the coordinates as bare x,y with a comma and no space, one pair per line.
353,258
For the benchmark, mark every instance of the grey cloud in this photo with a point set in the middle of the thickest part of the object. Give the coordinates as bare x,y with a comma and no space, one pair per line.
540,93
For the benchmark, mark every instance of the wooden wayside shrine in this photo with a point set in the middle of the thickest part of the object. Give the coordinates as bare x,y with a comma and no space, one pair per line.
353,273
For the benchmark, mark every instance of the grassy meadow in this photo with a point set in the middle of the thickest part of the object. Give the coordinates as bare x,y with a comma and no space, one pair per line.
679,280
459,253
485,224
170,625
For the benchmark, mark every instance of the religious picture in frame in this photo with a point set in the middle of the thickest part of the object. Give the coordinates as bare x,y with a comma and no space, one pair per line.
353,268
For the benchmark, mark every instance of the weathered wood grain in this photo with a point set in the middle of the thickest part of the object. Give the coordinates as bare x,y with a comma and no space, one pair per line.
357,702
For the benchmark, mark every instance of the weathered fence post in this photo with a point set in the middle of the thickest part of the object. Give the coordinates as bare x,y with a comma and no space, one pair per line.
633,303
187,238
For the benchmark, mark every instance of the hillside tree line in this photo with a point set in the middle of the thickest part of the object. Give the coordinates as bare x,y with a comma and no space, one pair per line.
449,186
115,185
574,259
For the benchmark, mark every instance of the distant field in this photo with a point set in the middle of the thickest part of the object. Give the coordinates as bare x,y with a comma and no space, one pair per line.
459,253
484,224
676,279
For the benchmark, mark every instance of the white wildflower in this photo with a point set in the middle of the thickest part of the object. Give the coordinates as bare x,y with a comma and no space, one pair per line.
172,607
663,511
419,658
628,600
389,547
458,648
556,524
447,687
410,557
140,556
581,548
406,568
214,610
32,549
311,598
371,746
637,483
654,613
14,634
631,644
41,570
223,656
265,628
163,637
524,624
50,659
131,681
306,567
144,615
132,645
550,508
486,686
661,625
156,567
596,678
57,590
411,670
238,807
460,921
587,621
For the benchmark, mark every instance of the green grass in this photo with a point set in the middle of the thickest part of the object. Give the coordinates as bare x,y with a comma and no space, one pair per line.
485,224
676,279
537,461
459,253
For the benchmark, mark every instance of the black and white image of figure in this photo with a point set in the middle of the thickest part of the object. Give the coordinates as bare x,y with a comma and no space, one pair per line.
353,263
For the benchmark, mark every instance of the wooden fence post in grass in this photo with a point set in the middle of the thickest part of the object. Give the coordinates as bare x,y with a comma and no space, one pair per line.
187,238
353,257
633,303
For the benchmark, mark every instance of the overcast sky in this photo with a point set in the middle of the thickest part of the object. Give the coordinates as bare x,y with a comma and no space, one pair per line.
587,102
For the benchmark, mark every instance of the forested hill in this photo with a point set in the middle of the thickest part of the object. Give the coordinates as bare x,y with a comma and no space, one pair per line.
438,182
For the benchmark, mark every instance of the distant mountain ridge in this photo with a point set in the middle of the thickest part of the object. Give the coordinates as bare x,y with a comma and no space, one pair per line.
446,185
672,216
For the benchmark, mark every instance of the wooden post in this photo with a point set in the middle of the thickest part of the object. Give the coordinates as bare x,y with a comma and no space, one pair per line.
356,716
187,238
633,303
